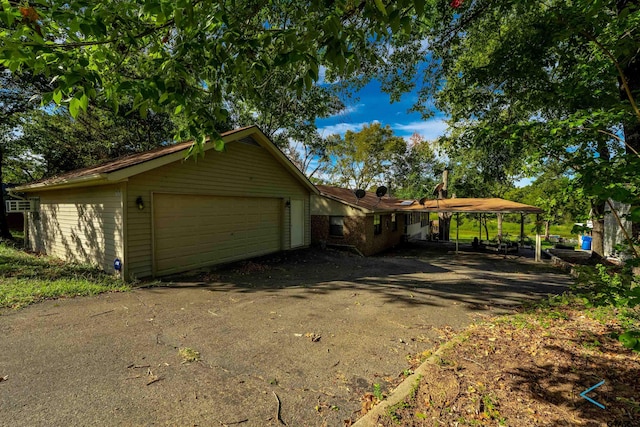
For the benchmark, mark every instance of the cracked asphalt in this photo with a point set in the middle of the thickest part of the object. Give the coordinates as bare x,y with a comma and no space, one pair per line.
113,359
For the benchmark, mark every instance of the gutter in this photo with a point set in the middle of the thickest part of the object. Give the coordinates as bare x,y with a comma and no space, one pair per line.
83,181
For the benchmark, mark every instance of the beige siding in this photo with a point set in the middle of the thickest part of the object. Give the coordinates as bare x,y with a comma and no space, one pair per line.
242,170
321,205
83,225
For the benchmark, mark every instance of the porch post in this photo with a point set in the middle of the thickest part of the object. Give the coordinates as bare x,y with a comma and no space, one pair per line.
457,230
538,240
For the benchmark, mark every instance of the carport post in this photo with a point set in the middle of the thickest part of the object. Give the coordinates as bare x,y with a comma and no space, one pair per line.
479,227
522,230
538,240
457,230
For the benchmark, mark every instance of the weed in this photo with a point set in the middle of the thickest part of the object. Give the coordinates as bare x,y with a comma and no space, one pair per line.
189,355
377,392
591,345
392,411
489,406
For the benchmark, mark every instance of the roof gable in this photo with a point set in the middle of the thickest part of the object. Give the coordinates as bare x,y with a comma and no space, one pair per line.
370,202
122,168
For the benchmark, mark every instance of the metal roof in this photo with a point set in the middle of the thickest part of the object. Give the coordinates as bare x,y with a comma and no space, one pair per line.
373,203
476,205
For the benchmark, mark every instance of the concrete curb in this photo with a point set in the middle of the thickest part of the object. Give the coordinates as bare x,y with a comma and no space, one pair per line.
410,384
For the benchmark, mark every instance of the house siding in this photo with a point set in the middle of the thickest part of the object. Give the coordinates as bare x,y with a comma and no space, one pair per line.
82,225
241,170
358,232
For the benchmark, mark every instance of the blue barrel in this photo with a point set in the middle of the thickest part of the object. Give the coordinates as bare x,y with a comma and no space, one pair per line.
586,243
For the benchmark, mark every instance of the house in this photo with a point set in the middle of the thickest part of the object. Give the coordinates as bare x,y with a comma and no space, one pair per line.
372,224
369,223
158,212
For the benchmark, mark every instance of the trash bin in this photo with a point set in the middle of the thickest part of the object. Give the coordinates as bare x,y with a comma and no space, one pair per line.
586,243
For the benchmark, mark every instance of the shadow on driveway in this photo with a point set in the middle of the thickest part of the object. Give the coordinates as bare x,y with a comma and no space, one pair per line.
313,329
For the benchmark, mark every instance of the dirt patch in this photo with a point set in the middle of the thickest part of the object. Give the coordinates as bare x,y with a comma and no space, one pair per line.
529,370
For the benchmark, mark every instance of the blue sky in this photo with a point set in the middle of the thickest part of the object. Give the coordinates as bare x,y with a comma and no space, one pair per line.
372,105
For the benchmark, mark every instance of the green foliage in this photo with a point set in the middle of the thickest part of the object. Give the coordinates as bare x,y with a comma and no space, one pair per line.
26,279
362,159
189,56
377,392
602,286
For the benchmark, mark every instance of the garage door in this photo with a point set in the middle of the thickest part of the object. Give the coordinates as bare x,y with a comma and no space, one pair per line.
192,231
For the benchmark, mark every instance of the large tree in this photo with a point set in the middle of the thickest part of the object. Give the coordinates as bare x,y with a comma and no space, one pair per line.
364,159
18,95
544,80
184,50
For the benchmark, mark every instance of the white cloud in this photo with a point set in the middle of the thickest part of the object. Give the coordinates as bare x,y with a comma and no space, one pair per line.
341,128
429,130
322,72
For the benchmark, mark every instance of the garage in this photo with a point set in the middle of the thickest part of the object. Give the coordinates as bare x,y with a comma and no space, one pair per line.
192,231
161,212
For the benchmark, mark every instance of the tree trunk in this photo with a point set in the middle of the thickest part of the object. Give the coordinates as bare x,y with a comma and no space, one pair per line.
597,233
631,129
486,228
444,219
5,234
547,225
444,226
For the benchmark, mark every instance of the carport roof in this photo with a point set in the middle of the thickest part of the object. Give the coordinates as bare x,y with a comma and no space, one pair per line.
391,204
475,205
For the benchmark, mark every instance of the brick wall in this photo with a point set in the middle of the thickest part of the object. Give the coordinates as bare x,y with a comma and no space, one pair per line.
358,232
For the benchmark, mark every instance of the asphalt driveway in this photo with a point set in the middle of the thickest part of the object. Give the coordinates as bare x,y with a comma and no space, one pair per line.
309,332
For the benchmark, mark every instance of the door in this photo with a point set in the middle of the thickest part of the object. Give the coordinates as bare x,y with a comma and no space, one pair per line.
192,231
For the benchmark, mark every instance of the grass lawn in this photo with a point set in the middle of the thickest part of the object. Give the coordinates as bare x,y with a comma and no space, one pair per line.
26,278
468,230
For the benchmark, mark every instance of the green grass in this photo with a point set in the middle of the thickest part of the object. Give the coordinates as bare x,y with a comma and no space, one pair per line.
26,279
469,229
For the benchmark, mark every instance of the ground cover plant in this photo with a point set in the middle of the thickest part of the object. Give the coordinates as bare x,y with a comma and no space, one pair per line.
27,278
529,368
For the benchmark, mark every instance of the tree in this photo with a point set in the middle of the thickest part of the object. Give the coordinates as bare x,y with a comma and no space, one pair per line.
186,50
554,80
364,159
18,95
46,138
414,171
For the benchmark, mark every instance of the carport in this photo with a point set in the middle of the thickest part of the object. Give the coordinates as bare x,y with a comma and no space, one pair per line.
484,206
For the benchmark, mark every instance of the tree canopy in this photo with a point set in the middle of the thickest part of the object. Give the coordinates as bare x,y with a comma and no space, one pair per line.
168,55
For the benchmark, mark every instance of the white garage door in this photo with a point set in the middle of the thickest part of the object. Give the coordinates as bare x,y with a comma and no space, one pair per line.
192,231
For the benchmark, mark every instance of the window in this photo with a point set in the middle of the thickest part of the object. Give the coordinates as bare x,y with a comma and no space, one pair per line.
424,219
377,224
394,223
336,226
